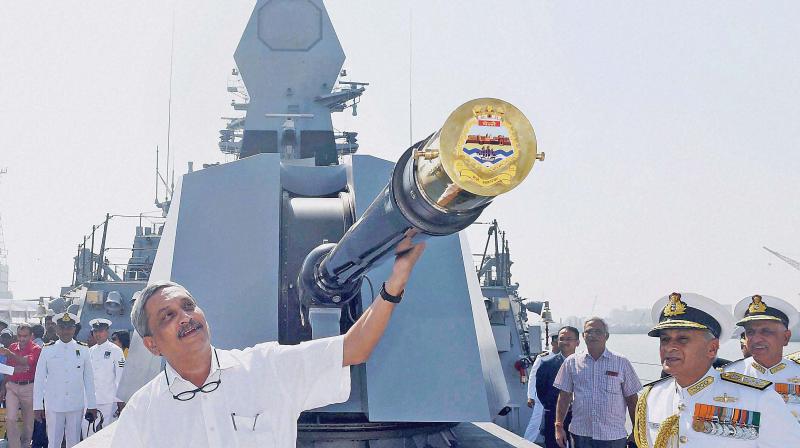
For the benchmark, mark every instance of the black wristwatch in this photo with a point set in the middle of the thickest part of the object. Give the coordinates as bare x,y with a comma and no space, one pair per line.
388,297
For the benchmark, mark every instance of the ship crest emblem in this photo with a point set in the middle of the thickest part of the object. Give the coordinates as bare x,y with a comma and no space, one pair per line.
757,306
675,306
488,141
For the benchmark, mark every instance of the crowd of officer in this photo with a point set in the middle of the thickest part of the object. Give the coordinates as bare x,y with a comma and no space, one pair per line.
63,388
752,402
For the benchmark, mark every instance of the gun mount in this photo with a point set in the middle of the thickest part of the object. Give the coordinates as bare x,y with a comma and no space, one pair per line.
438,187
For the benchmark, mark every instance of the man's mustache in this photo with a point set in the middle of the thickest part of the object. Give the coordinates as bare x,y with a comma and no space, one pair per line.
192,325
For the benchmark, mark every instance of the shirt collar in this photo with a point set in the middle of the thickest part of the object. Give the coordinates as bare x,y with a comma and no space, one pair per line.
220,360
605,354
700,384
774,369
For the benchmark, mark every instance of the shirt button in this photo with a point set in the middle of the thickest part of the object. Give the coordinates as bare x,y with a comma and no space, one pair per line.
681,407
683,439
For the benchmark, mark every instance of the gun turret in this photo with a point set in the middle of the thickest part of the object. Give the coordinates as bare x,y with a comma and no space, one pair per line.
439,186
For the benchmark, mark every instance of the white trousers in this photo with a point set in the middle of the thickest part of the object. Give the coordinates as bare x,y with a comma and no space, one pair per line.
532,431
108,411
61,423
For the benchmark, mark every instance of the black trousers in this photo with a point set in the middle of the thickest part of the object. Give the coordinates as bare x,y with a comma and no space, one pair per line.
548,428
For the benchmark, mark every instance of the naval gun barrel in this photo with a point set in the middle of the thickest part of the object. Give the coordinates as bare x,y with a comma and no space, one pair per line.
439,186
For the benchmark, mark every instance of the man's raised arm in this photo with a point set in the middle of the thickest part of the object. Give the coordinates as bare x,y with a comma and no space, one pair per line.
364,335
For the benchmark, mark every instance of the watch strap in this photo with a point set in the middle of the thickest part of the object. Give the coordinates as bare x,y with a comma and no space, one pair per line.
388,297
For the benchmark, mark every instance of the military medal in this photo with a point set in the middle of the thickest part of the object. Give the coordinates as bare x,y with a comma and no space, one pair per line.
789,392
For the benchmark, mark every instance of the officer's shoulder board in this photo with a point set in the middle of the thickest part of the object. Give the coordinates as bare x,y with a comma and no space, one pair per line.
48,344
794,357
730,365
745,380
82,343
658,381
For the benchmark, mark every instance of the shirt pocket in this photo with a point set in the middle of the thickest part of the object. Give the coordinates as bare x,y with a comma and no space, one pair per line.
613,384
254,429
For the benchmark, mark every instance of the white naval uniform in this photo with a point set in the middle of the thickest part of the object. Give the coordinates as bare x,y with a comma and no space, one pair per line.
64,387
784,375
532,431
107,364
666,398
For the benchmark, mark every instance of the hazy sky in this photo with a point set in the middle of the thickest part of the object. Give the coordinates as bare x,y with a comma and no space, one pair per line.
670,128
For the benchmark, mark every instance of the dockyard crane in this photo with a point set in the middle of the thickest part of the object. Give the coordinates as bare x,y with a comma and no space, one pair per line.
791,262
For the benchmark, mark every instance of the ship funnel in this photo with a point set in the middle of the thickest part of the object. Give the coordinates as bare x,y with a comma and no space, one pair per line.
439,186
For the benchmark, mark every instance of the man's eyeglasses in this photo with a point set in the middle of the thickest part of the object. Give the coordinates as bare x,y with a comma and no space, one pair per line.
209,387
594,332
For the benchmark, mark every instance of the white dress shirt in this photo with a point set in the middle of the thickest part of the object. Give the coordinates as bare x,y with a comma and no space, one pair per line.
63,377
785,377
107,365
262,391
776,428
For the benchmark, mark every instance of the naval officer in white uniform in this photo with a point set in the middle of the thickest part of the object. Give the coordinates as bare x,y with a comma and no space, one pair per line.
697,406
766,321
107,364
63,379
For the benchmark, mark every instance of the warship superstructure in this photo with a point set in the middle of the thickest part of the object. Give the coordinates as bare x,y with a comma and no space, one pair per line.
271,246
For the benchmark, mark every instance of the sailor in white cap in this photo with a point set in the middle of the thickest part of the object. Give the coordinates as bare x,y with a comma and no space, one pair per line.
107,365
766,321
697,406
63,386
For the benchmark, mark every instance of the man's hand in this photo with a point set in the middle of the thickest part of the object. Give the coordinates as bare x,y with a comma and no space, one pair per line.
93,412
408,254
561,436
531,403
21,369
38,414
120,407
5,352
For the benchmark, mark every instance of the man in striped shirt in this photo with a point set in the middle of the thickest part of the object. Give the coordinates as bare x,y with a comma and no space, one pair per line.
600,385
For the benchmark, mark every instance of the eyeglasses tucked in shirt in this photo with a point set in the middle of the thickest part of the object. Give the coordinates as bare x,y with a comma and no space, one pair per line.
209,387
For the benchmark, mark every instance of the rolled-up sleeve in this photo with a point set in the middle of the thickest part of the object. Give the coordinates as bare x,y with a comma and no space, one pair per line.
564,379
312,373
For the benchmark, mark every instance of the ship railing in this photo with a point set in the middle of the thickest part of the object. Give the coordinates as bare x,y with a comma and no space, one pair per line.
91,266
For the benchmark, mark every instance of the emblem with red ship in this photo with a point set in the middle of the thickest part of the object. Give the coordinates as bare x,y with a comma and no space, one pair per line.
488,142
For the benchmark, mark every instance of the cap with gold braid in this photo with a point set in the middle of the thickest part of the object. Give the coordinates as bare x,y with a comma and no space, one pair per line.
691,311
65,318
759,307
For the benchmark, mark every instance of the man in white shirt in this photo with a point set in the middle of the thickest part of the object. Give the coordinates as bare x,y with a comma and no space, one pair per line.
532,432
208,397
107,365
63,386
